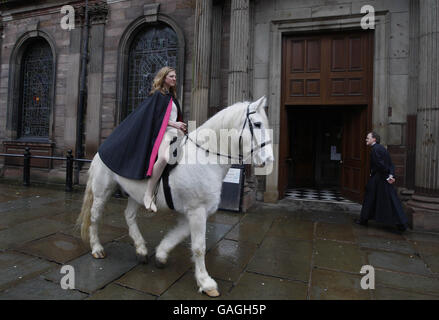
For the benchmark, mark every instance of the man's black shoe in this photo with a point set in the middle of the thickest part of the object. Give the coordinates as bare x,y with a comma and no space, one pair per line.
361,222
401,227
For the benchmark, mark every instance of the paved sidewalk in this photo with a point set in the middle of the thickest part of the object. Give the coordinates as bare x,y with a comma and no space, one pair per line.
271,252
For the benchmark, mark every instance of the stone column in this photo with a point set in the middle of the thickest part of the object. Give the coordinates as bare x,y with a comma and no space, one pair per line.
72,83
215,64
410,140
238,84
201,62
98,14
425,201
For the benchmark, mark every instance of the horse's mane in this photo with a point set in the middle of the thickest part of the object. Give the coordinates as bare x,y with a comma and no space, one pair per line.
230,117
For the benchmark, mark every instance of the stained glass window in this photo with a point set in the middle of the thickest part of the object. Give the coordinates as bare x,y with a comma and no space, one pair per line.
152,49
36,79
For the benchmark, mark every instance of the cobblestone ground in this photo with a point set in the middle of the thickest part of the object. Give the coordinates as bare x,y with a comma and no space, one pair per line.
270,252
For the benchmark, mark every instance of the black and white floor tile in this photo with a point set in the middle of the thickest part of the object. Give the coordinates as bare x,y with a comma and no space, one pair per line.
327,195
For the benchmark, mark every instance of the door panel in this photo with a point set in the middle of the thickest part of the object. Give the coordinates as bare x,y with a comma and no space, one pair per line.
354,154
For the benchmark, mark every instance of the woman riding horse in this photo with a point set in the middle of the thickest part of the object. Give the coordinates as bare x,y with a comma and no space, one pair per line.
139,147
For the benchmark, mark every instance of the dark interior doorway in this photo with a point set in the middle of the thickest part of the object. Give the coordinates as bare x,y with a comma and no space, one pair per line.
316,145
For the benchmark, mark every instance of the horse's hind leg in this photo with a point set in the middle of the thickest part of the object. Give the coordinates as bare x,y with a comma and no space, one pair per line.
197,222
174,237
139,242
101,193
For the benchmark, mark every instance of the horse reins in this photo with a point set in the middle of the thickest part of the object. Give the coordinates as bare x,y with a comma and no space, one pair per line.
240,156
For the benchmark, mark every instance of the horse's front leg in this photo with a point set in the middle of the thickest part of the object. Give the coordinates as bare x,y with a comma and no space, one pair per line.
173,238
134,232
197,223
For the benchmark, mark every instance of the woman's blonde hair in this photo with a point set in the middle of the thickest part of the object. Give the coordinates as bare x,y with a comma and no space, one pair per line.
159,80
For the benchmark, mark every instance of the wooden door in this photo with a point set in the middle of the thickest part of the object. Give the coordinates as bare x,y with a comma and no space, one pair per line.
354,156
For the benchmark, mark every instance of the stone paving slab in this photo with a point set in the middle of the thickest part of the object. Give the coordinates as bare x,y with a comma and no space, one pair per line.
92,274
28,231
264,287
333,231
229,258
338,256
297,229
149,279
332,285
71,206
40,289
118,292
225,217
398,262
16,267
249,231
424,237
285,258
400,246
25,203
105,233
59,247
395,294
7,198
17,216
408,282
374,230
328,217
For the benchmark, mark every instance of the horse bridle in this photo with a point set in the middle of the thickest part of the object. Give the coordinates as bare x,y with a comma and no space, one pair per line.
240,156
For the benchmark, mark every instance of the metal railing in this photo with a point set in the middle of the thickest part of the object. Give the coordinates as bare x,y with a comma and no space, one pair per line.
27,156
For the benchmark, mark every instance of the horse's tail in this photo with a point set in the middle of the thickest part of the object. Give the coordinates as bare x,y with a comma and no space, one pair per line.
84,219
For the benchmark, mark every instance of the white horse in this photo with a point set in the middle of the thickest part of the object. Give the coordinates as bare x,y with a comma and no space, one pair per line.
195,187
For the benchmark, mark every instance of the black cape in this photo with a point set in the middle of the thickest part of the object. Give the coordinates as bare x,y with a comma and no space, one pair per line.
128,149
381,203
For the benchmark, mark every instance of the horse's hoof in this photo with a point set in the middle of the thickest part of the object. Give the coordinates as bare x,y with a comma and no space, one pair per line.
212,293
142,259
98,255
159,264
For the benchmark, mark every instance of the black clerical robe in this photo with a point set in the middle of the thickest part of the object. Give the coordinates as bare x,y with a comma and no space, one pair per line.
381,203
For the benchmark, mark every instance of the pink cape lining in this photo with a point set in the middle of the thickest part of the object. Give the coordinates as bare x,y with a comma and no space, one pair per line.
158,141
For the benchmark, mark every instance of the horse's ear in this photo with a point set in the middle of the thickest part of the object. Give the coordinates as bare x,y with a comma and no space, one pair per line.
258,104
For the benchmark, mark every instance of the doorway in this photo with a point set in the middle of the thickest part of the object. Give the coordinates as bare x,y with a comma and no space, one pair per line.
326,111
315,147
326,148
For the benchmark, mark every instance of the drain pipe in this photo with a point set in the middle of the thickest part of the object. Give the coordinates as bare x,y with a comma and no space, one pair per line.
79,151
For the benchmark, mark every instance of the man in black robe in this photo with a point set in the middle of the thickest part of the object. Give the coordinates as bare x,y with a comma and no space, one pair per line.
381,203
128,149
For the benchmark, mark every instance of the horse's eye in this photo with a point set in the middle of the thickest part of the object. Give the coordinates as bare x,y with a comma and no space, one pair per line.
258,125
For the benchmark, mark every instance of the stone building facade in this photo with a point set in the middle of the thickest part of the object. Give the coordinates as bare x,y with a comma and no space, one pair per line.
328,81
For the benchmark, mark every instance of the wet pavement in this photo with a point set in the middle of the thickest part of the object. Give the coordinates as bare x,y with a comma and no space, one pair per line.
274,251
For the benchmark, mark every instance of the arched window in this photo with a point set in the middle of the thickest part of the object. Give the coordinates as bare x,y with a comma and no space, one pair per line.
35,92
151,49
